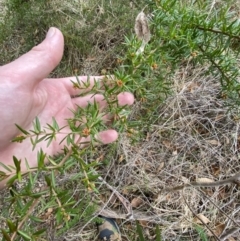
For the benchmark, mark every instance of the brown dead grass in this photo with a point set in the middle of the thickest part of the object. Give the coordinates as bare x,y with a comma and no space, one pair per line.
195,137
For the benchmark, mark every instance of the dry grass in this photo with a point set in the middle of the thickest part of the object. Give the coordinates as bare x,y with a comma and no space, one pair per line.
195,137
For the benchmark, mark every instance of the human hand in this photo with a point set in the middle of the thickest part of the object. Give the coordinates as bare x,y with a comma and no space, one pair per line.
26,93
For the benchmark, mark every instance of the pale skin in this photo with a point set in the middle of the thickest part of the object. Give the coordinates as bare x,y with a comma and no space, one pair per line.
26,92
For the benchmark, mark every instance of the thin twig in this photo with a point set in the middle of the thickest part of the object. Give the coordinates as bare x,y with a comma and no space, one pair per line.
230,180
219,208
199,218
228,233
217,31
123,200
215,64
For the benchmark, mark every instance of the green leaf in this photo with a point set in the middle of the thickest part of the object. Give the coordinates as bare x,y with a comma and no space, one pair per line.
37,195
140,232
59,216
51,127
158,234
41,138
17,164
22,130
37,125
39,232
11,225
18,139
24,235
53,179
50,139
36,219
201,232
5,167
52,161
55,124
40,158
5,235
27,205
48,180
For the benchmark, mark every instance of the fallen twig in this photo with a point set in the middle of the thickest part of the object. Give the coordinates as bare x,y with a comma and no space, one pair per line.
195,215
231,180
123,200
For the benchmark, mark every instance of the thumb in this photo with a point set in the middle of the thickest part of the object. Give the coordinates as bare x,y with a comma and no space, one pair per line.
35,65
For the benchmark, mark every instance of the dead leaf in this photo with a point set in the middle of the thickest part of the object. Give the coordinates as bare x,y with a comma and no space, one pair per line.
193,86
227,140
103,198
219,117
147,167
22,41
219,229
143,223
141,27
126,191
214,142
204,219
222,193
231,239
208,191
91,58
160,166
100,158
136,202
184,179
204,179
50,210
215,169
121,158
175,153
167,144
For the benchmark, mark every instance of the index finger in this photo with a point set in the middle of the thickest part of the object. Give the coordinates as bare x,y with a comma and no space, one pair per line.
77,85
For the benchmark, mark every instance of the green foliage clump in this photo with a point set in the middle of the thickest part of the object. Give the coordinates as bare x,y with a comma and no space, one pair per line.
192,31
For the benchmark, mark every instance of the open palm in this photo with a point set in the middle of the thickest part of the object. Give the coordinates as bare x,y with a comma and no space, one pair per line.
26,93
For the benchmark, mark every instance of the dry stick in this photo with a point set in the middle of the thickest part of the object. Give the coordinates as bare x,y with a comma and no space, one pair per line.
123,200
230,180
219,208
199,218
228,233
218,32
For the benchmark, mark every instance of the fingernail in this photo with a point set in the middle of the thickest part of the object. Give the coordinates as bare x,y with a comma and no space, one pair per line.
50,32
